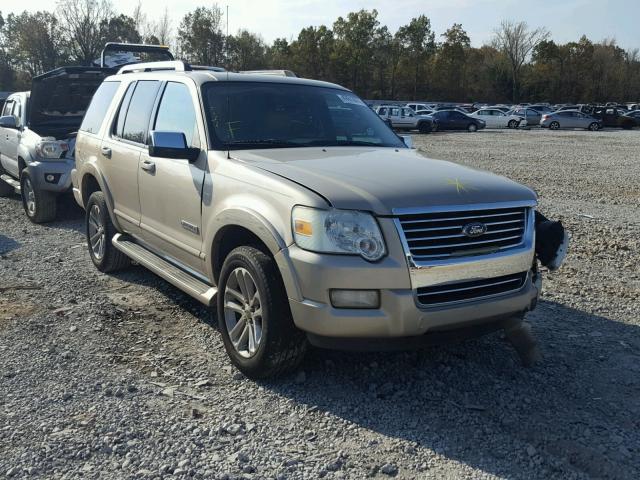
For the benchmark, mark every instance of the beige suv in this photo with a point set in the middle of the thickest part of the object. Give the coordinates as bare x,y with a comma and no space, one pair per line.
290,206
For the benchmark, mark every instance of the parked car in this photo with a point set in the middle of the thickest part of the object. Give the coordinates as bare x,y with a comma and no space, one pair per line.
418,106
570,119
456,120
635,115
404,118
531,116
614,117
291,206
422,111
495,118
38,129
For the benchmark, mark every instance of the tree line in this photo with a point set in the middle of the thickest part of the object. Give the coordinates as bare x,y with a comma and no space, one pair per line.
414,62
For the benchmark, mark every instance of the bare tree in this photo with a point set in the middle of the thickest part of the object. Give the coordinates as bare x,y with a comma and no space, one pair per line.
81,22
162,29
139,18
517,41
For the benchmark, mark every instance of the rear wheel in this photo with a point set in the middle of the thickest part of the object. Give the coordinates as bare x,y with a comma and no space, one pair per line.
554,126
472,127
39,205
594,127
100,231
424,127
513,124
254,316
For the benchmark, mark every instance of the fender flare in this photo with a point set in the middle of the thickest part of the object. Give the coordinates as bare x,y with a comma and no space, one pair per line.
262,228
91,170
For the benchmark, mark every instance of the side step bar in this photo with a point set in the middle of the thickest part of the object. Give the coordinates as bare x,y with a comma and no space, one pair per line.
172,274
10,181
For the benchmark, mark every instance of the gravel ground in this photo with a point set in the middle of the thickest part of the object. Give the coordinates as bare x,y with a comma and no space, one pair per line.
122,376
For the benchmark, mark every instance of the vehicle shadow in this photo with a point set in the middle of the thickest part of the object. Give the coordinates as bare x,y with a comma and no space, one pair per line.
576,411
472,402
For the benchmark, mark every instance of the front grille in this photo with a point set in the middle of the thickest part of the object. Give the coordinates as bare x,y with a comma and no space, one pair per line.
439,235
470,290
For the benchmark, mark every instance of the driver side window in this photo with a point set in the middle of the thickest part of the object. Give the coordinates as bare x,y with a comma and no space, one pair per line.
176,113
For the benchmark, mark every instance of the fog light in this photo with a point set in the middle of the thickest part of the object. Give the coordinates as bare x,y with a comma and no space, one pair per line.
52,177
355,298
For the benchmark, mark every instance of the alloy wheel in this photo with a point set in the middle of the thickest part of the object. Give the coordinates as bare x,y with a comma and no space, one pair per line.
97,235
243,312
29,197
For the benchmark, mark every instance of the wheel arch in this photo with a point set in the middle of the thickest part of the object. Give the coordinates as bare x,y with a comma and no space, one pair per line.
244,226
91,181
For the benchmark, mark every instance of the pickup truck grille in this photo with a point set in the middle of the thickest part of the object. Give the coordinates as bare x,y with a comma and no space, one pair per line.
440,235
471,290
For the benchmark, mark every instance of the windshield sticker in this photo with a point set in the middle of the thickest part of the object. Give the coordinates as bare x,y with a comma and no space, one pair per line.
352,99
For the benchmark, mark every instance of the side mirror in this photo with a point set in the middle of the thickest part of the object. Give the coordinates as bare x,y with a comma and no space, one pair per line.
407,140
171,145
8,121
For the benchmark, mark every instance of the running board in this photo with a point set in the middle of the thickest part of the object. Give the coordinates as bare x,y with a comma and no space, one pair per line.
172,274
10,181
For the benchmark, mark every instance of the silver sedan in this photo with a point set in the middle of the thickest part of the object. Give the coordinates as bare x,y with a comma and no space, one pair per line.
569,119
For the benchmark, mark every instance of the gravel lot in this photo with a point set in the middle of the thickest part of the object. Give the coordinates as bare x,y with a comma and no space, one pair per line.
122,376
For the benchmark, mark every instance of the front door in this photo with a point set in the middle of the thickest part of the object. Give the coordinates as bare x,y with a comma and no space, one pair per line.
171,189
11,137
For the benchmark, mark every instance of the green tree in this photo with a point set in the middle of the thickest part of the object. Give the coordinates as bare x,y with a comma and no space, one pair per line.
451,63
120,29
354,46
201,37
247,51
418,42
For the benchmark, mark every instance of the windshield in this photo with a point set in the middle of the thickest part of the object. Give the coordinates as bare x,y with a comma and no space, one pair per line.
252,115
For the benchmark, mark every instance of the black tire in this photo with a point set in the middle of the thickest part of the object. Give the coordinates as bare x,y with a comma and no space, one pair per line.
111,259
39,205
282,346
513,124
554,126
594,127
434,127
424,127
472,127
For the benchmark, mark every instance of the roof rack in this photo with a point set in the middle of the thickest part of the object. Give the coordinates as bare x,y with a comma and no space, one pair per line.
279,73
209,68
176,65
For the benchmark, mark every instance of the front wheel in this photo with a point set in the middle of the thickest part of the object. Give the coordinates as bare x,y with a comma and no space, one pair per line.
100,231
554,126
472,127
594,127
39,205
254,317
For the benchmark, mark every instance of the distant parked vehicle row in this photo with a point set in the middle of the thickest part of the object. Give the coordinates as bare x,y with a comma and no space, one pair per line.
404,118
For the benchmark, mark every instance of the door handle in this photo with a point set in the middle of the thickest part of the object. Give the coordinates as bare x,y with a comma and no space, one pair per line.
106,151
148,166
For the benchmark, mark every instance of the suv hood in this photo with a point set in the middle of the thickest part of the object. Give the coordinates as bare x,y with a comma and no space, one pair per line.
382,180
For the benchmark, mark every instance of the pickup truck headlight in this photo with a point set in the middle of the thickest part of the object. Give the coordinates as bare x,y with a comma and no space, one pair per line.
51,149
338,231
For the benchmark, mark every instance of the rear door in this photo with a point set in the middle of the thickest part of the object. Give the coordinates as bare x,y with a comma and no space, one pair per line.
171,189
122,147
4,133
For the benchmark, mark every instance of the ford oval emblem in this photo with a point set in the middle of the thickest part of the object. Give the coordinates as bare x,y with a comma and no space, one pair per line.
474,229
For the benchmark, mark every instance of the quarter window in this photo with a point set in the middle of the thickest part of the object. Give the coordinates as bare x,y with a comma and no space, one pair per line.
136,124
176,113
122,111
97,110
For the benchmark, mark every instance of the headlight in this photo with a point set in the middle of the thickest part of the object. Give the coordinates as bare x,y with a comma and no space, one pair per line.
51,149
338,231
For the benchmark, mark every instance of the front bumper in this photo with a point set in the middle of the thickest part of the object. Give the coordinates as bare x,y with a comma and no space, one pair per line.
400,315
60,169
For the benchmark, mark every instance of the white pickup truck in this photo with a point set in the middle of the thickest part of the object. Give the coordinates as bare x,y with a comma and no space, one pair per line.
38,128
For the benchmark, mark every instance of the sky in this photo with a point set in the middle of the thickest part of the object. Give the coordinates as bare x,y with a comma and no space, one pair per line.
567,20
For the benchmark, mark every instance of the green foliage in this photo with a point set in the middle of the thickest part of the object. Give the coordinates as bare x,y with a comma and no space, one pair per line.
521,64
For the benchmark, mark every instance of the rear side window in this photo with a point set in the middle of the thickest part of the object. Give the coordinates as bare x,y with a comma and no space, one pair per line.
176,113
122,111
97,110
136,125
